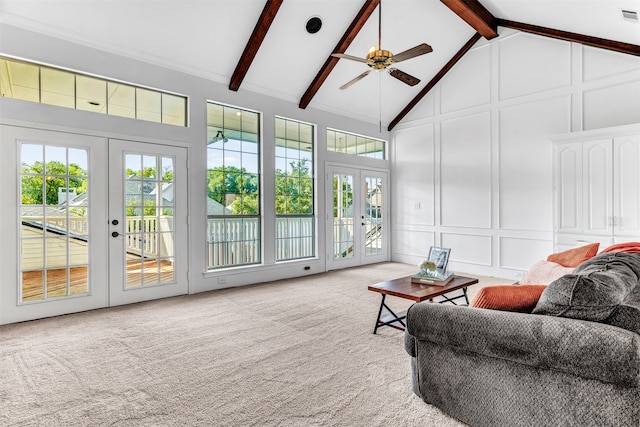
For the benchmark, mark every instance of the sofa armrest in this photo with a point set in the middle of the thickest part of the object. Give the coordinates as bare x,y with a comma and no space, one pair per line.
586,349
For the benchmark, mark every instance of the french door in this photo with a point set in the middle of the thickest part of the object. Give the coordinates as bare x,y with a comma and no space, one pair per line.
147,221
62,194
356,226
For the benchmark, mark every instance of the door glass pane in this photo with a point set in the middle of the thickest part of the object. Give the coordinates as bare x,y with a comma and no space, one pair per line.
54,233
373,215
343,216
149,208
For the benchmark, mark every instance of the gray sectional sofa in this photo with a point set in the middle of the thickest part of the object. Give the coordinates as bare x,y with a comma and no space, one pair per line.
575,361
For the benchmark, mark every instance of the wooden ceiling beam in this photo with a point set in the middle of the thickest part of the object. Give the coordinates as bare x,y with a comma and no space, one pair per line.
351,33
616,46
476,15
257,37
448,66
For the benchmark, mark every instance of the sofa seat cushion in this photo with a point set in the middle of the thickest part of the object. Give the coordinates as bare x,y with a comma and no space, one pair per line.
520,298
594,290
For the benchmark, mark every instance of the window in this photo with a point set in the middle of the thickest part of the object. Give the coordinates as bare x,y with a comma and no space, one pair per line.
349,143
295,223
48,85
233,186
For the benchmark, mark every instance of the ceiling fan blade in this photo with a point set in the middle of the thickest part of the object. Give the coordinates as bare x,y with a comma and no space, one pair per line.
421,49
360,77
404,77
351,57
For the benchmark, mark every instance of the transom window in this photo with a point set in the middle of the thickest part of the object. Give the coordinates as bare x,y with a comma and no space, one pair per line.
47,85
233,186
350,143
295,221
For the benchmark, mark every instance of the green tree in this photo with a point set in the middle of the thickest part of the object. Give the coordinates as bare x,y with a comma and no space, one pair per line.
54,174
150,172
294,191
347,196
242,188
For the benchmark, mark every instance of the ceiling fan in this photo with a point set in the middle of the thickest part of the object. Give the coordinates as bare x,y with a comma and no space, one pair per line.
379,59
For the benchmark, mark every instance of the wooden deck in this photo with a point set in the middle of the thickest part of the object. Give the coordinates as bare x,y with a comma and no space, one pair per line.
33,284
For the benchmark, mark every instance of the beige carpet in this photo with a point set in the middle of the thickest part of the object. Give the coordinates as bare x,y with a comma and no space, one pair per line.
296,352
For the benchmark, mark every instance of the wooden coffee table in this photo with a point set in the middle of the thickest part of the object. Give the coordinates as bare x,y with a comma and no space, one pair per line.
418,292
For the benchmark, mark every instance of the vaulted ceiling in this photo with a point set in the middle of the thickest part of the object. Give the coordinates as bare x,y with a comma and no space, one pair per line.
264,46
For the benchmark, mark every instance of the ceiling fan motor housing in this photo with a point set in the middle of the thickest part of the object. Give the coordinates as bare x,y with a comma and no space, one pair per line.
379,59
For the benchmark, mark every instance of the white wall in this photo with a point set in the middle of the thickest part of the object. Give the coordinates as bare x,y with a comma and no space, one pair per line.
35,47
472,165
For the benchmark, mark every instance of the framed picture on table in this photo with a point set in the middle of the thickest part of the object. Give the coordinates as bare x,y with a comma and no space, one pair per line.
440,257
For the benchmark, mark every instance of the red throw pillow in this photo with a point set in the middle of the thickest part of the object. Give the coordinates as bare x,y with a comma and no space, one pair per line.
576,256
628,247
520,298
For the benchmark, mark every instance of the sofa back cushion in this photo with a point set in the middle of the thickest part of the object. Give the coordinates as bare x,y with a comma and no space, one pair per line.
595,290
627,315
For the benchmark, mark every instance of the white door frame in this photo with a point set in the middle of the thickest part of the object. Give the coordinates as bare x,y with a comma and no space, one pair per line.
360,257
11,308
100,250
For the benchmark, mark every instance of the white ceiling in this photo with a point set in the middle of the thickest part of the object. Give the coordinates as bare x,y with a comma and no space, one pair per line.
207,38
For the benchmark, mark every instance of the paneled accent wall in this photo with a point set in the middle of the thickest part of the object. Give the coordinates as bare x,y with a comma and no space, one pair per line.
472,163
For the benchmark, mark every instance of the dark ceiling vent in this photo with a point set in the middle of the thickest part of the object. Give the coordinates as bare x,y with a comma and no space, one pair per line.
314,24
629,15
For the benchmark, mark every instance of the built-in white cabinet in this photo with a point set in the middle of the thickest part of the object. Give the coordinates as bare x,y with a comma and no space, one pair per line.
597,187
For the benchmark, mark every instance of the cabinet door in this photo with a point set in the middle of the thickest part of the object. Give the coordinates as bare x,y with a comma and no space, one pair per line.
626,160
568,188
597,190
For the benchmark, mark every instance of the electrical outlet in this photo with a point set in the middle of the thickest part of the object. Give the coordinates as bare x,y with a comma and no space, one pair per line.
416,205
222,280
518,274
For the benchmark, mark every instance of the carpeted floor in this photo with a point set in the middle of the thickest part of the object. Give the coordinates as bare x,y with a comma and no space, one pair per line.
296,352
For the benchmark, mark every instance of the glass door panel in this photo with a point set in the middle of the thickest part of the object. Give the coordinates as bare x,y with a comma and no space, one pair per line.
57,177
374,242
343,216
148,232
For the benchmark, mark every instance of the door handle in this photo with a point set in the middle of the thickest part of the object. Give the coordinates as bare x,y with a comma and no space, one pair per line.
115,222
115,234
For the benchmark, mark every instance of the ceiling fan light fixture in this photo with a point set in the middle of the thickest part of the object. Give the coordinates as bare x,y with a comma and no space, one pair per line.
219,137
379,59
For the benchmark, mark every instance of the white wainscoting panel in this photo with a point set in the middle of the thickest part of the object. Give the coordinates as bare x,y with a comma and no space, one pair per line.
413,192
468,84
530,64
520,254
525,184
465,171
598,63
412,242
612,105
468,248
